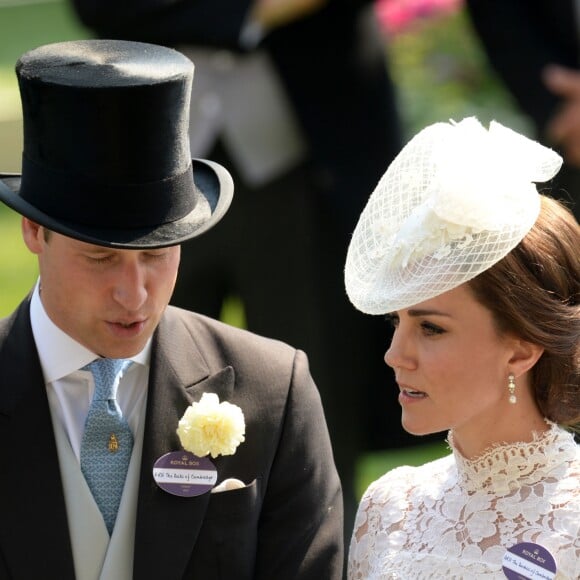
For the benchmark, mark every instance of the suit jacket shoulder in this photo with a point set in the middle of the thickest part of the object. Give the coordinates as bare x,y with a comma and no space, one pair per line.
220,344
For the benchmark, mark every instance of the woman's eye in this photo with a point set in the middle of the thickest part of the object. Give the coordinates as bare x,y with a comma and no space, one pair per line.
392,320
431,329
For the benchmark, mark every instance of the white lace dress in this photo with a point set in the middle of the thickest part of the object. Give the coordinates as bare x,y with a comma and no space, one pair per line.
454,519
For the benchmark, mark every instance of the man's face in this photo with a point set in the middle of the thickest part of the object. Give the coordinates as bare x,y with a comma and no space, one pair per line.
108,300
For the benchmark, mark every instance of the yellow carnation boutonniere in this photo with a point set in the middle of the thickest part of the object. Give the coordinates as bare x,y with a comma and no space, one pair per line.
211,427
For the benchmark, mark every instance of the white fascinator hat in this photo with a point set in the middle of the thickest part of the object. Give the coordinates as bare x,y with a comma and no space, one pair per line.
455,201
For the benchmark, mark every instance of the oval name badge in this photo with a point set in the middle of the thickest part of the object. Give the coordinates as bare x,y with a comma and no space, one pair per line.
528,561
183,473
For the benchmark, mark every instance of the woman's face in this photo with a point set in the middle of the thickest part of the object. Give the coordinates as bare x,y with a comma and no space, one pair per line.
452,366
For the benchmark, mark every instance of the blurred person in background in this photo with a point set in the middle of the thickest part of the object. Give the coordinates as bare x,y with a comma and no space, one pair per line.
534,46
295,97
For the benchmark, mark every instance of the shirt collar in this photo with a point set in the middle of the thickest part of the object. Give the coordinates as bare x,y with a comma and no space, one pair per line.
59,354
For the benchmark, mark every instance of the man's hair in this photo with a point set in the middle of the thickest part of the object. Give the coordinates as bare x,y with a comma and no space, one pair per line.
533,293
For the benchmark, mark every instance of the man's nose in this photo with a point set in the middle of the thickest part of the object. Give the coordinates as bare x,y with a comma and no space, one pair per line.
130,289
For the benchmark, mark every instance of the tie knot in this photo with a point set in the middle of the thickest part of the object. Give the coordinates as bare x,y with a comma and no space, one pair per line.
107,372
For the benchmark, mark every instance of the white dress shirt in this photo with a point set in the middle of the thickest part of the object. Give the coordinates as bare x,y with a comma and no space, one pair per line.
70,390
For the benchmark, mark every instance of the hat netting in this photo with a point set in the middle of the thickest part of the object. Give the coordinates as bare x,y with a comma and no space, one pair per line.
455,201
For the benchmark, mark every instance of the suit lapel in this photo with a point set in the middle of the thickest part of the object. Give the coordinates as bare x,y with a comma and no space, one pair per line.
33,527
167,526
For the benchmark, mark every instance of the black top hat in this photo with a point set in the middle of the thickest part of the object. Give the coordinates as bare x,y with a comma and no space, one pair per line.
106,149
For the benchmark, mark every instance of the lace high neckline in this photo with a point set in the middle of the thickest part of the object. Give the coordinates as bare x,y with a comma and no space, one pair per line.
506,467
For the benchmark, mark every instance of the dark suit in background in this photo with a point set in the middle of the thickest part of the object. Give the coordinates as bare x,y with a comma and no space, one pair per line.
283,242
522,37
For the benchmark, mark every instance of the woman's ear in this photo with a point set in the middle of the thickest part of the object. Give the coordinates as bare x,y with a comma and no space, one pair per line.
525,356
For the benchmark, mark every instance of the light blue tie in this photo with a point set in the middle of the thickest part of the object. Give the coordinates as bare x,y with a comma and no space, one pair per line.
107,440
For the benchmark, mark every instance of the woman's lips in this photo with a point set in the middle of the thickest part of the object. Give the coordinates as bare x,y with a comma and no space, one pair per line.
409,395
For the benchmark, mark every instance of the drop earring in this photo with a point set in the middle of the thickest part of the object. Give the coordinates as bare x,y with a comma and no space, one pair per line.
512,388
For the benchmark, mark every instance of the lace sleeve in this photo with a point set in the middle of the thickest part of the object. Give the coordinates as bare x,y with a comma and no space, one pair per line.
375,507
358,564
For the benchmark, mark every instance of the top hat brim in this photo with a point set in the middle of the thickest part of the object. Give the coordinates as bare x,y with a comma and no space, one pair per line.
213,191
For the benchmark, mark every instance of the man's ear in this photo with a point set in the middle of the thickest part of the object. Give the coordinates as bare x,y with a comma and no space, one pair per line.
33,235
525,356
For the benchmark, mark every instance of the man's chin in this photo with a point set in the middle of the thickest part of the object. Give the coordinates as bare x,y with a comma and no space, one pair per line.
119,348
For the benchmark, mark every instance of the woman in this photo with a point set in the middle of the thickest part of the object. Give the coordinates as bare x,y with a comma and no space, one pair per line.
480,276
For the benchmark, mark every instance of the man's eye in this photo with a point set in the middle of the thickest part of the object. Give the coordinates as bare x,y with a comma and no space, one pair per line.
99,259
156,256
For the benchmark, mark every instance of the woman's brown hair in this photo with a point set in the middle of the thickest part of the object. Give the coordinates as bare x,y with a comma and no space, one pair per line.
534,293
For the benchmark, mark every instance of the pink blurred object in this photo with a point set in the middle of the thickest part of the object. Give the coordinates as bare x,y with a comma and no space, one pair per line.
399,15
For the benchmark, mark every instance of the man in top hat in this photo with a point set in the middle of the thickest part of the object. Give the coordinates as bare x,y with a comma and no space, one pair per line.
97,482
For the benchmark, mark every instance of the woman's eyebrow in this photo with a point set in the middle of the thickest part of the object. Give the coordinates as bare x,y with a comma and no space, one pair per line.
426,312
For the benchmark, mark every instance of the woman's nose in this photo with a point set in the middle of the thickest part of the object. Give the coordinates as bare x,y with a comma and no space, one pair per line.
399,353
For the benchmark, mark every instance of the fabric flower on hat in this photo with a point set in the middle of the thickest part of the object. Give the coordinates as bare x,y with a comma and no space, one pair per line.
479,179
211,427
